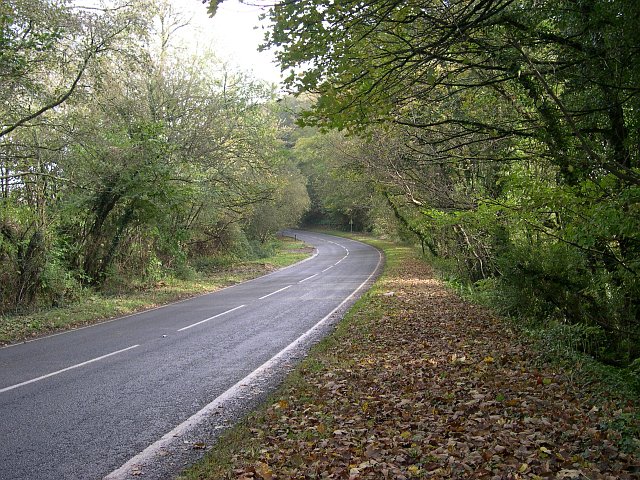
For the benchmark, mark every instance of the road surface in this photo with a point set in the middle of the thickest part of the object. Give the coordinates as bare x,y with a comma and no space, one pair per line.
84,404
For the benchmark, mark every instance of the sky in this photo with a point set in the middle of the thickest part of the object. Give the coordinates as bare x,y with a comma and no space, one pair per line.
230,34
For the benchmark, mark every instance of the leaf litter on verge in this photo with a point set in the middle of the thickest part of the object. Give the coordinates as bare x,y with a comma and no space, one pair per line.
425,385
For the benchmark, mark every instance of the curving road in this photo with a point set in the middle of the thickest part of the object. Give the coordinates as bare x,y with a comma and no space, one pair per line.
119,398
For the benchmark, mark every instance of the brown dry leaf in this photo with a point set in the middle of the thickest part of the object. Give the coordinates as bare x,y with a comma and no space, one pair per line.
411,391
264,471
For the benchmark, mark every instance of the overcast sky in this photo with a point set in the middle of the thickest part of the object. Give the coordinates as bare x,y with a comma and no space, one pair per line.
230,34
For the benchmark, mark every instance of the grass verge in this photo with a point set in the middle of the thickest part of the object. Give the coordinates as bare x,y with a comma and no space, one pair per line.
240,441
95,307
417,383
558,343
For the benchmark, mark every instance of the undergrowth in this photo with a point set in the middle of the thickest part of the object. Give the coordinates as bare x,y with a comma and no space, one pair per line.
574,346
416,383
126,296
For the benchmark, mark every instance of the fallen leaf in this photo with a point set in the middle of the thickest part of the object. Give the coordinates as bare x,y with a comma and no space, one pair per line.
264,471
395,397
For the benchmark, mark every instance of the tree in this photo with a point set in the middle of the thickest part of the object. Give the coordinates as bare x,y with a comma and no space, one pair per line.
340,195
123,160
47,50
514,134
284,209
169,159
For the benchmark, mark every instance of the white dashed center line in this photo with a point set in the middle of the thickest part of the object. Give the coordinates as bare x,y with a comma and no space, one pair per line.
308,278
33,380
273,293
210,318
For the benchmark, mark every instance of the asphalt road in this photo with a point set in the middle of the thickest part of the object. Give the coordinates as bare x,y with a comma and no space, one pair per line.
82,404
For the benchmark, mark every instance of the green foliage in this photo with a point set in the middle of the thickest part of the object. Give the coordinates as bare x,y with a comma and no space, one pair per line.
583,338
286,207
212,8
140,161
340,195
502,134
60,285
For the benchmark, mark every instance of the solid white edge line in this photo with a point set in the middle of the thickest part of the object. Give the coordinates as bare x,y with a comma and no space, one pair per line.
198,417
273,293
309,278
210,318
33,380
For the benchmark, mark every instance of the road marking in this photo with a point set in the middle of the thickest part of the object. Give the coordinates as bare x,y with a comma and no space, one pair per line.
6,389
159,447
339,261
328,268
66,332
210,318
309,278
273,293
